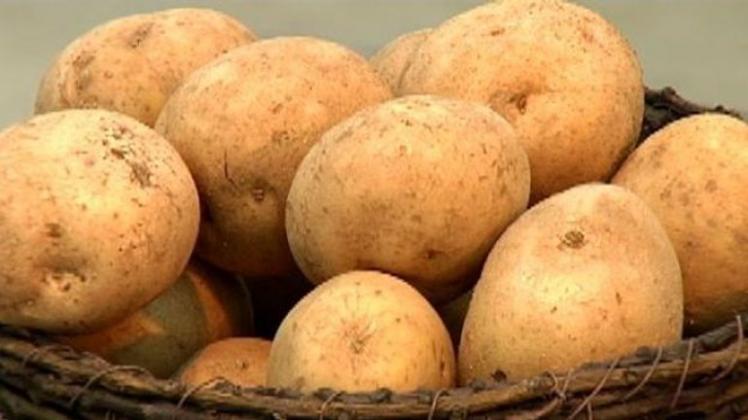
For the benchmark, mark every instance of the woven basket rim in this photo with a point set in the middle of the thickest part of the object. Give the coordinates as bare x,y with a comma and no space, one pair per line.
37,374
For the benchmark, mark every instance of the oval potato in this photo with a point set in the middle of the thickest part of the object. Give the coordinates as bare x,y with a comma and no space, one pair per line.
362,331
98,216
694,175
243,124
565,78
133,64
586,275
419,187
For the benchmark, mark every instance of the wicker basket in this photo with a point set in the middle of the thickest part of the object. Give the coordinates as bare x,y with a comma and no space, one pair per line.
699,377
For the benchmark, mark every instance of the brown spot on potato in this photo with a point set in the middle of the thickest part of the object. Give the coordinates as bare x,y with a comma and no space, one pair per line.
140,173
520,102
280,137
139,35
432,254
54,230
619,299
497,31
573,239
710,186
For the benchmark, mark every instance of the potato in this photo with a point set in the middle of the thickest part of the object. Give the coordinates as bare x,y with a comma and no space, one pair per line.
362,331
199,309
391,61
98,216
242,361
419,187
243,124
133,64
694,174
565,78
586,275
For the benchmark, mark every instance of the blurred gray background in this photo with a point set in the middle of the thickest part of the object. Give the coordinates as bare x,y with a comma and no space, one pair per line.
698,46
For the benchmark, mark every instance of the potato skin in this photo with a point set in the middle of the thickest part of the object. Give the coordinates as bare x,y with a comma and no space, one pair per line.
243,361
565,78
133,64
694,174
98,216
362,331
200,308
419,187
243,125
586,275
393,59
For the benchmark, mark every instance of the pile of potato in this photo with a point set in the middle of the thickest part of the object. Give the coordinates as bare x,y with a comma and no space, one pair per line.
467,204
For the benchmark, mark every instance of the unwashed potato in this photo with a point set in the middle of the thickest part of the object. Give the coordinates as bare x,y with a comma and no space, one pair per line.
362,331
564,77
133,64
394,58
242,361
694,175
200,308
98,216
419,187
586,275
244,122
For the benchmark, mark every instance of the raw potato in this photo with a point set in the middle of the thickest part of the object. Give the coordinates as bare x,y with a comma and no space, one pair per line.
394,58
98,216
362,331
419,187
586,275
133,64
564,77
199,309
694,175
243,124
242,361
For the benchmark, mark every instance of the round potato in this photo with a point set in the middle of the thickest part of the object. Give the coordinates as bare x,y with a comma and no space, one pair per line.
98,216
586,275
133,64
391,61
564,77
243,124
242,361
419,187
694,175
199,309
362,331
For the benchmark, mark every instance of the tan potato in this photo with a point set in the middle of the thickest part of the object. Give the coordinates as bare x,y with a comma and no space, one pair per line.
694,175
394,58
419,187
133,64
586,275
242,361
362,331
243,124
99,216
564,77
199,309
